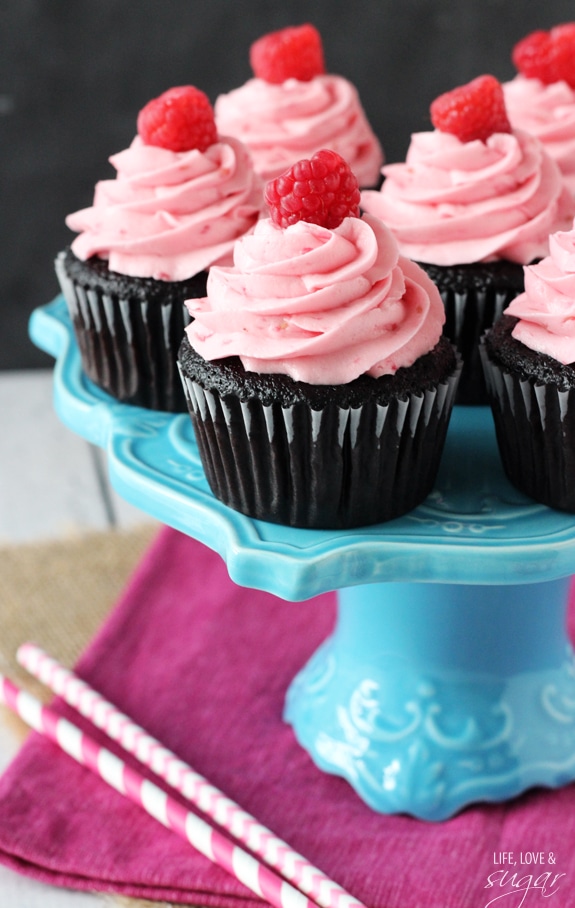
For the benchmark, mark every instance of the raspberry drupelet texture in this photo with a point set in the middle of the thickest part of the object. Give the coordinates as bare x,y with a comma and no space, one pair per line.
472,111
291,53
180,119
548,56
322,190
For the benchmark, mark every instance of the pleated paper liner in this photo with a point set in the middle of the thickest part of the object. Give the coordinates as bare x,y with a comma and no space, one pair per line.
535,429
335,467
474,297
128,330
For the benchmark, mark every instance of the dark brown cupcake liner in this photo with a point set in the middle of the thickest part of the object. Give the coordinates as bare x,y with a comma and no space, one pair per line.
535,430
333,468
474,296
129,343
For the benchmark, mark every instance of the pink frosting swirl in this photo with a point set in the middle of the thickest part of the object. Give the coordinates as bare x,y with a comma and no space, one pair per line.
323,306
546,311
548,112
282,124
169,215
455,202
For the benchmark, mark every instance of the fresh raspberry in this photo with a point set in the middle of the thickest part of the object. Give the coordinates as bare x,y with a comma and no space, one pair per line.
472,111
180,119
291,53
532,56
548,56
322,190
563,53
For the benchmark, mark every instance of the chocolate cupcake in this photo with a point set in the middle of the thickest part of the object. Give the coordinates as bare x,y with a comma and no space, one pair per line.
473,203
318,382
529,362
128,329
331,457
181,196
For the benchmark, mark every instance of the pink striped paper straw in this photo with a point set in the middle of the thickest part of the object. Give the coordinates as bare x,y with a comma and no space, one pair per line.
275,852
156,803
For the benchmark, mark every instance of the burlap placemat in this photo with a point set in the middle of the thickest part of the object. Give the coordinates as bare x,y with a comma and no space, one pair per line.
57,594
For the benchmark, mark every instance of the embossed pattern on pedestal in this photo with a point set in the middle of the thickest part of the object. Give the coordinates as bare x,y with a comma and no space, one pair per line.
410,741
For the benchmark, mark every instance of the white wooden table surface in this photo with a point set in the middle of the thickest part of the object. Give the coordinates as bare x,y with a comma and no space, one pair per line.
52,484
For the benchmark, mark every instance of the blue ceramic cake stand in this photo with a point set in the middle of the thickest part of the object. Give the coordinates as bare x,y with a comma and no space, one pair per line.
449,677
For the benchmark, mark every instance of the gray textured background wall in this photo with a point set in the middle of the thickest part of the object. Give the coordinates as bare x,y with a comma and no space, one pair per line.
73,76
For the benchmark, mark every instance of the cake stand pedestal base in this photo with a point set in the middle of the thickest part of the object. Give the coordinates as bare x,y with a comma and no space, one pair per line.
428,697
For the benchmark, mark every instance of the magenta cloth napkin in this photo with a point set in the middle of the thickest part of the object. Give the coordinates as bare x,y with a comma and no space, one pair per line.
204,666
